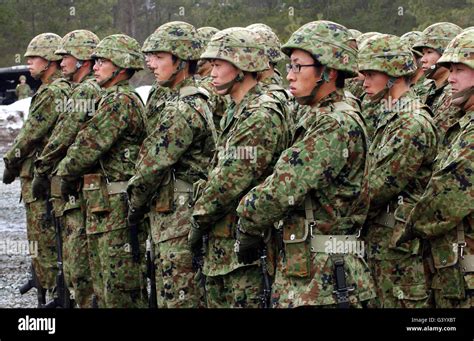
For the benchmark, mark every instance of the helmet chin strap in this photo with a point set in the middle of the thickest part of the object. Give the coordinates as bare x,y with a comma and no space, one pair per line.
431,71
114,74
167,83
306,100
381,94
77,66
229,85
460,98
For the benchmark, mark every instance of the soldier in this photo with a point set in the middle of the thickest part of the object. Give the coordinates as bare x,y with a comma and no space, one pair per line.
317,188
271,80
23,90
76,49
254,134
436,88
44,111
445,213
174,156
400,162
411,38
104,153
204,66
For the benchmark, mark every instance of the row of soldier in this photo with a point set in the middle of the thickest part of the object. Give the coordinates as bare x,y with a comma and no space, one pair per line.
236,183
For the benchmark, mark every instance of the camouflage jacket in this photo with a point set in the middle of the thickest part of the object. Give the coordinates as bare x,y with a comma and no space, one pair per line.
23,91
217,104
110,142
79,108
400,161
154,106
253,135
448,206
42,117
326,166
182,142
424,88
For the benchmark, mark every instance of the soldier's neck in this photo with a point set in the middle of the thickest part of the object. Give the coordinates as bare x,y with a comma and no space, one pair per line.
80,75
48,73
441,77
239,90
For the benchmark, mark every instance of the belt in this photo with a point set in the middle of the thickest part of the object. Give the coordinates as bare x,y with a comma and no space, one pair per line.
467,263
117,187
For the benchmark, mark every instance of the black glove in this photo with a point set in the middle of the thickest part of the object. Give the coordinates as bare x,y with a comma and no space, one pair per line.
9,175
406,236
68,189
248,247
195,237
135,214
40,186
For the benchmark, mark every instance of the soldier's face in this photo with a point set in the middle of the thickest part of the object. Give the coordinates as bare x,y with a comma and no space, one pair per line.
430,57
36,65
374,82
222,72
103,69
161,64
461,77
304,81
68,66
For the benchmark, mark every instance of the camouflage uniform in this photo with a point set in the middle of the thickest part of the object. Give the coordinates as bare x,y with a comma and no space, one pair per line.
318,189
28,144
23,90
172,158
437,37
84,96
444,214
255,125
400,160
104,152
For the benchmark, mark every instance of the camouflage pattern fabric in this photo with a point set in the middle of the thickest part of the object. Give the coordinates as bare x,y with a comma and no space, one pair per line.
327,162
122,50
79,43
23,91
44,45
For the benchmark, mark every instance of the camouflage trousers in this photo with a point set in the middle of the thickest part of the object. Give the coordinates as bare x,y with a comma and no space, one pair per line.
177,284
76,257
240,288
399,282
40,231
118,281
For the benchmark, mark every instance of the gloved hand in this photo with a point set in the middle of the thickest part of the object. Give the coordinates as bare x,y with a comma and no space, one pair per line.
135,214
68,189
248,247
9,175
195,237
406,236
40,186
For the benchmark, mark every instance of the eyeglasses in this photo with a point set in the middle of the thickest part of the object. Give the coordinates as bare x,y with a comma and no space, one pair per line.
296,68
100,61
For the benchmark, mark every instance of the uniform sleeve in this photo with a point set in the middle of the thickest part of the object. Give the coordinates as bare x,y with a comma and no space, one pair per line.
162,149
312,163
37,126
109,123
449,196
245,157
66,130
394,163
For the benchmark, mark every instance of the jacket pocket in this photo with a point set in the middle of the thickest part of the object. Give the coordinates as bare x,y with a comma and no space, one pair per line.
297,248
95,193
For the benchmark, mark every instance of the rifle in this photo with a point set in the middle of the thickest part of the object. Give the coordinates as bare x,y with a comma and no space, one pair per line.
62,296
33,282
265,296
150,273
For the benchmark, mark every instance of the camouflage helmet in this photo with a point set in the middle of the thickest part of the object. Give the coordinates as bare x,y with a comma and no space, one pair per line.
329,43
44,45
206,33
269,40
437,36
355,33
470,28
178,38
364,36
79,43
22,78
460,50
388,54
120,49
411,38
238,46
